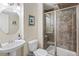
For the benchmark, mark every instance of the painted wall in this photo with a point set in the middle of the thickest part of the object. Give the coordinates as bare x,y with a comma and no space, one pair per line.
36,31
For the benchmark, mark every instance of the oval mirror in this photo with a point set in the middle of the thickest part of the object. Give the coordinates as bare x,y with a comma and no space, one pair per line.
9,22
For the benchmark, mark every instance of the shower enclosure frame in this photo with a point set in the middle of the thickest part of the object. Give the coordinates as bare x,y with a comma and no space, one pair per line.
77,27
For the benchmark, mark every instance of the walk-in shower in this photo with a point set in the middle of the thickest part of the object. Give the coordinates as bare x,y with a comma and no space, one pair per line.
60,31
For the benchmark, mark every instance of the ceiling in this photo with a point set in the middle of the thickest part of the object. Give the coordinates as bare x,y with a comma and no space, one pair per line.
48,6
55,6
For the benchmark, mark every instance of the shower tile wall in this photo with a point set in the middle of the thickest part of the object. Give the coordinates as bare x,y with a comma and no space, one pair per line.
66,29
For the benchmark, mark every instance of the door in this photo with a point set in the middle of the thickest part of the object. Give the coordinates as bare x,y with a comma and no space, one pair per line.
66,31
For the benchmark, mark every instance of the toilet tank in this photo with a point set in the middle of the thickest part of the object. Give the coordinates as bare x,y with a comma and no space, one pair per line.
33,45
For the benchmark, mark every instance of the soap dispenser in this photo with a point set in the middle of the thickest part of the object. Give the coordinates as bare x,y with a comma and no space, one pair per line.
19,37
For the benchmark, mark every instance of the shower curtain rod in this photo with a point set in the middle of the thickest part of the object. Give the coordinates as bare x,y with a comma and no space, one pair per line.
60,9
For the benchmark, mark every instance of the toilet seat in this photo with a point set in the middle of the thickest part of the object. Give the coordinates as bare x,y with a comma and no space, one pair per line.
40,52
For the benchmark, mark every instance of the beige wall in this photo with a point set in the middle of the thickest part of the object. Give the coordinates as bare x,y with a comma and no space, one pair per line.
33,32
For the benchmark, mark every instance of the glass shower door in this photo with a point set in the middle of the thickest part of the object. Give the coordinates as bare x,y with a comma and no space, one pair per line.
49,41
66,32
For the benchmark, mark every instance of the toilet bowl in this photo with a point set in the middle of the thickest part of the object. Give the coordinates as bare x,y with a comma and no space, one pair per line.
33,47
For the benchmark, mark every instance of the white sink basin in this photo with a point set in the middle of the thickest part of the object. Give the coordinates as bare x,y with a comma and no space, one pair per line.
12,46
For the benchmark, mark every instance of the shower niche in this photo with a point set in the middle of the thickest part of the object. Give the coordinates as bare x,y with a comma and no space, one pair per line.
60,31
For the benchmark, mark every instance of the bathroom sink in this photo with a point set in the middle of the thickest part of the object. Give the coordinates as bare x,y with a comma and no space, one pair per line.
12,46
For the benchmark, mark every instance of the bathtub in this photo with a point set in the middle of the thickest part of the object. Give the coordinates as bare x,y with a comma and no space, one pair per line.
60,51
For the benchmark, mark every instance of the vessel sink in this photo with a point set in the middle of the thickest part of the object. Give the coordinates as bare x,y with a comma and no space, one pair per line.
12,46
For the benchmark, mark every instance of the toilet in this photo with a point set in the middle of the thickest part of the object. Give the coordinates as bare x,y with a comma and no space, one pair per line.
33,47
